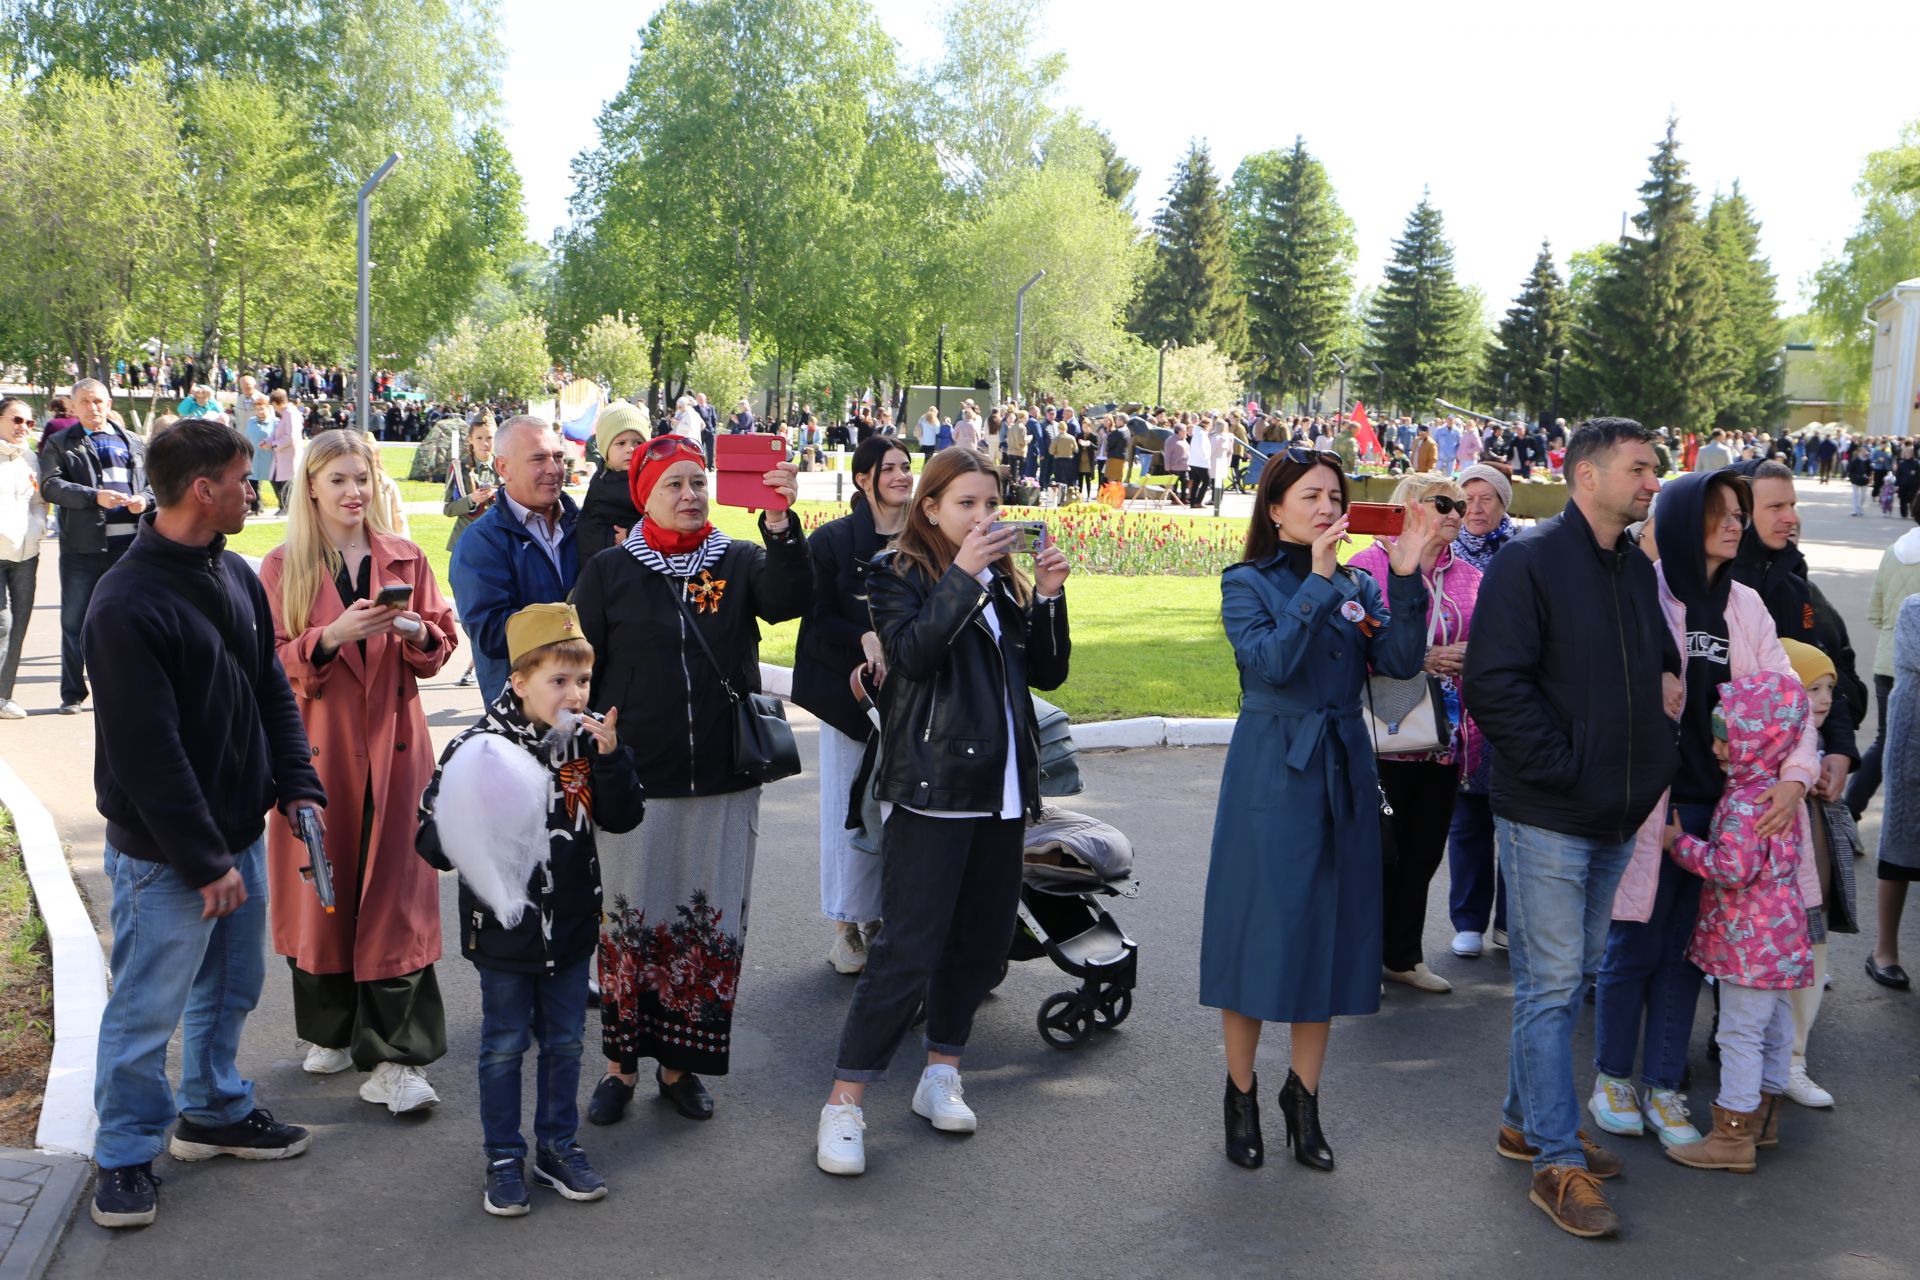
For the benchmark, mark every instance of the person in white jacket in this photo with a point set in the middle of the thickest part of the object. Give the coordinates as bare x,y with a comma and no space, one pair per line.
1897,578
23,517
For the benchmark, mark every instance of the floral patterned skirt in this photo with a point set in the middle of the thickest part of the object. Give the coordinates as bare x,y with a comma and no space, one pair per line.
675,932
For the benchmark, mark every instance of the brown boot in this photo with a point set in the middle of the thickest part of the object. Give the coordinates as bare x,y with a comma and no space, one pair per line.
1571,1197
1601,1163
1729,1146
1770,1131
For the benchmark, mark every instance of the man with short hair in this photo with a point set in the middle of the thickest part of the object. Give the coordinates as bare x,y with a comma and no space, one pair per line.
196,739
520,550
1714,454
95,473
1570,677
1446,438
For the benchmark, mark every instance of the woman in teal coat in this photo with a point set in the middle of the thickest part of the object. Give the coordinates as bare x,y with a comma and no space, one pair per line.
1292,926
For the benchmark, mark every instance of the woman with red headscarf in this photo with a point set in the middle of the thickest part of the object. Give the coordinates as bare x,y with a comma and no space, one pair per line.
675,928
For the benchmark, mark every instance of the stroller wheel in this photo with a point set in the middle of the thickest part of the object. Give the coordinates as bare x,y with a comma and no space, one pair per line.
1064,1023
1115,1004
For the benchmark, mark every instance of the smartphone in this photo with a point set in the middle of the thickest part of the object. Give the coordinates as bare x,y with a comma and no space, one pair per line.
1033,537
740,463
394,596
1387,518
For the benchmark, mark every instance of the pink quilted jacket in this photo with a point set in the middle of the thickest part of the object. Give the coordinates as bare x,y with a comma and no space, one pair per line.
1455,584
1752,929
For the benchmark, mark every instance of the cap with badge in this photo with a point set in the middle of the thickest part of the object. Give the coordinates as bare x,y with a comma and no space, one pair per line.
539,625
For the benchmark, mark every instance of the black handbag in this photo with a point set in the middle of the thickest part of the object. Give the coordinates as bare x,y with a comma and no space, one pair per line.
763,744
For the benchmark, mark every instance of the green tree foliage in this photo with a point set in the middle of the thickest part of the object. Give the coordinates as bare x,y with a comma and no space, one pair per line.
1190,295
478,361
1422,327
613,350
1883,250
1074,140
1519,368
1755,396
1296,251
990,106
719,369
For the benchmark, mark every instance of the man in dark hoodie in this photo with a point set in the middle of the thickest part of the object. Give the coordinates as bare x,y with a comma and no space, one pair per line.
196,739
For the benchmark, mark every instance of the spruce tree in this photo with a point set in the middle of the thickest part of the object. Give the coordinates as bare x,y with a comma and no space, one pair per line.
1190,295
1651,342
1296,250
1419,330
1520,362
1756,398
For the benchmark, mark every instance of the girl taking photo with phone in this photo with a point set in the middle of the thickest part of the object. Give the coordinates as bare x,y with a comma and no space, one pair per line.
1292,925
364,992
963,633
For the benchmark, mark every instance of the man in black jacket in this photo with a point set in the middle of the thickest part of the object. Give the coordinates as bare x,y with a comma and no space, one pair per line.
196,738
1571,674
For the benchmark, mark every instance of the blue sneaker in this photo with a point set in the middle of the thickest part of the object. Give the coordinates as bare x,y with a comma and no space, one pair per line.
126,1197
566,1170
506,1188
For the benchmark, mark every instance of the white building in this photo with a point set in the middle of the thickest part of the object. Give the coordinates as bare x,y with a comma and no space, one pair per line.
1895,402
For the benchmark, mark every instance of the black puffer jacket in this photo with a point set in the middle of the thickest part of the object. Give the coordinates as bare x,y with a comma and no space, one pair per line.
949,687
829,649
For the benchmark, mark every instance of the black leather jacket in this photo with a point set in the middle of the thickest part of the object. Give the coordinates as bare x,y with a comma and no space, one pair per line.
829,646
949,687
70,479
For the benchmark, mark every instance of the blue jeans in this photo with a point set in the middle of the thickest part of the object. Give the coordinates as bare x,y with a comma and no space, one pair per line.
80,573
1645,975
514,1009
1475,893
169,963
1559,905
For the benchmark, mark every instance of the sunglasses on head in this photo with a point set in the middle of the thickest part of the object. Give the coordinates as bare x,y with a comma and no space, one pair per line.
1308,457
668,445
1447,506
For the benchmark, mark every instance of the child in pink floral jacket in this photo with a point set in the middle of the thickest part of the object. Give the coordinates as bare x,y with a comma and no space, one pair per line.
1752,932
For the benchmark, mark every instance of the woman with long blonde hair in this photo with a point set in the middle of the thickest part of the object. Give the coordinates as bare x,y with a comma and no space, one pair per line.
359,621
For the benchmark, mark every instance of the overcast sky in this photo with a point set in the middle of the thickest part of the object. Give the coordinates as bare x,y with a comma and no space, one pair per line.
1524,119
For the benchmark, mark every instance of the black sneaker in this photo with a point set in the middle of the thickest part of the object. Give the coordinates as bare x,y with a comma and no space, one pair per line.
506,1188
566,1170
258,1137
126,1197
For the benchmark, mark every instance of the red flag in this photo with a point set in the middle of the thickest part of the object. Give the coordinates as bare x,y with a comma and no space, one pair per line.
1363,432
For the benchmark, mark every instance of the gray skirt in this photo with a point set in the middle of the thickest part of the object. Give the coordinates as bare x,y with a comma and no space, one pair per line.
675,930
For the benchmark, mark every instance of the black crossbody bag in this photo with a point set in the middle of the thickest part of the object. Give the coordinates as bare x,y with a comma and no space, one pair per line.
763,744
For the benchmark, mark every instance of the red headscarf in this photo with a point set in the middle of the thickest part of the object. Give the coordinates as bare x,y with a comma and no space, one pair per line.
659,456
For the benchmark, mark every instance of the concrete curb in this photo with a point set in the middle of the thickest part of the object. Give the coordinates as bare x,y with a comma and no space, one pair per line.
67,1122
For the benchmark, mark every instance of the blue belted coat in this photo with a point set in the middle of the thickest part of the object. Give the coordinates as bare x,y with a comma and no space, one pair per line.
1293,906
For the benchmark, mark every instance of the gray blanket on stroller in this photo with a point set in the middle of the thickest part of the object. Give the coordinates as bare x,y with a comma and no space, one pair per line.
1068,847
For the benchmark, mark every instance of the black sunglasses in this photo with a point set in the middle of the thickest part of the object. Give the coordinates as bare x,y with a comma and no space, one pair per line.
1447,506
1307,457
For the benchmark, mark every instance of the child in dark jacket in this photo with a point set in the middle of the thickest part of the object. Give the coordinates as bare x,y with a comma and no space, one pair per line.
533,964
608,513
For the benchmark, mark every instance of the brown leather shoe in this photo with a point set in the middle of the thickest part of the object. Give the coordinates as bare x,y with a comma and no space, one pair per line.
1770,1129
1571,1197
1728,1147
1601,1163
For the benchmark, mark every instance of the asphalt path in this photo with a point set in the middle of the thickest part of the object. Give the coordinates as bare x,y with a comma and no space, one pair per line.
1103,1161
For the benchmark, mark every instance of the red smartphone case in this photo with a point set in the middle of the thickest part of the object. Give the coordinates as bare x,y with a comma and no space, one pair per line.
740,463
1385,518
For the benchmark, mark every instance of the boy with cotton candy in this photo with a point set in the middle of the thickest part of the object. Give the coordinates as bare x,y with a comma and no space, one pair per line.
512,808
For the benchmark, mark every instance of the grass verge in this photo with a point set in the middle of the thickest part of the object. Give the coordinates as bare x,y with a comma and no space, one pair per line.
26,998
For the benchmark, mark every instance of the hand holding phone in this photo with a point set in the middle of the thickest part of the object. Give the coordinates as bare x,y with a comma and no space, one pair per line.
1386,519
1031,536
394,595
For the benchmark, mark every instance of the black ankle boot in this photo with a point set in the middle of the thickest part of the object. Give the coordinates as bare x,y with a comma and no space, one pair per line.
1302,1110
1244,1146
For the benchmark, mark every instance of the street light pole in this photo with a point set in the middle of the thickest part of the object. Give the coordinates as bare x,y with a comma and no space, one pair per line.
363,346
1306,406
1019,325
939,368
1160,380
1379,388
1341,412
1559,358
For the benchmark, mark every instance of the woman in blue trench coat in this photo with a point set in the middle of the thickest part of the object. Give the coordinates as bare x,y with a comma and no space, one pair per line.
1292,928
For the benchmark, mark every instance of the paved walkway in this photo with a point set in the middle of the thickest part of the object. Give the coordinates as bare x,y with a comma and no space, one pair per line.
38,1193
1097,1162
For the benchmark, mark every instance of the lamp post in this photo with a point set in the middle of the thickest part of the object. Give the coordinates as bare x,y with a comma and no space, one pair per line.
1160,379
1341,411
363,369
939,367
1380,387
1559,358
1306,406
1019,325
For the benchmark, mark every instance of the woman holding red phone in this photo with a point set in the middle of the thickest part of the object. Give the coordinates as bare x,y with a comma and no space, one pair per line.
364,991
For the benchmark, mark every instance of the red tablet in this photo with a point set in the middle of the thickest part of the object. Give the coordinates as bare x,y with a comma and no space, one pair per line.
741,463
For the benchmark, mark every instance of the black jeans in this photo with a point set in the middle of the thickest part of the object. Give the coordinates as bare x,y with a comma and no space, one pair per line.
1867,780
1198,482
1422,795
80,572
17,581
949,894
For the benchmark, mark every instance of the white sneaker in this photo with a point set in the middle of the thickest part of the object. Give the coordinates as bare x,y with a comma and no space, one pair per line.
849,951
322,1061
840,1144
938,1099
400,1089
1420,978
1804,1091
1615,1107
1666,1111
11,710
1498,937
1467,944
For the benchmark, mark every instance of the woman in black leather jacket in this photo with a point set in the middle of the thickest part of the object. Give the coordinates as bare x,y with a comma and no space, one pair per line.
964,636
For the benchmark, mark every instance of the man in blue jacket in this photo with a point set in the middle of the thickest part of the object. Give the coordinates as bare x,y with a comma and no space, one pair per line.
520,551
1572,675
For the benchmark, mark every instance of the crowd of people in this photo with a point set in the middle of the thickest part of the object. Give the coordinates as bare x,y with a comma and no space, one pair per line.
1633,743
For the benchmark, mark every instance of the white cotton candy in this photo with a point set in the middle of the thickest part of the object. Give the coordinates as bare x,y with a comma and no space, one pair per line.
492,816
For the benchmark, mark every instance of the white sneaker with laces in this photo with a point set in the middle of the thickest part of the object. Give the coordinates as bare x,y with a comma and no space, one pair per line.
938,1099
400,1089
848,954
1666,1112
322,1061
1615,1107
11,710
1803,1090
840,1144
1468,944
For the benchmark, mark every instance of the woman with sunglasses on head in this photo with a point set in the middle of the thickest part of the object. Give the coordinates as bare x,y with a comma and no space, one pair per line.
1421,786
663,609
1293,901
23,519
836,637
1647,987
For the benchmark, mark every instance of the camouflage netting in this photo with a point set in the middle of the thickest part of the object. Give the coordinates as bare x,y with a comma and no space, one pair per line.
431,458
